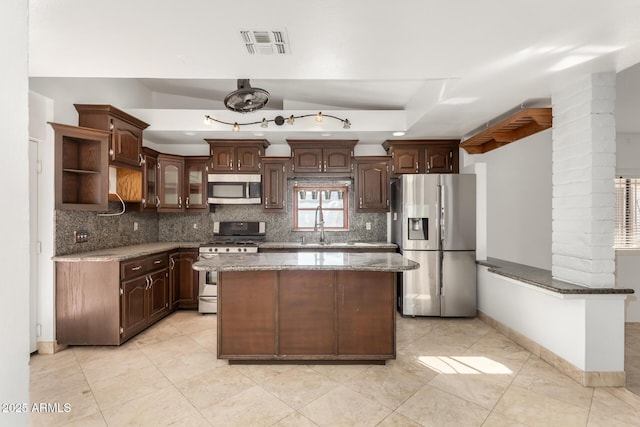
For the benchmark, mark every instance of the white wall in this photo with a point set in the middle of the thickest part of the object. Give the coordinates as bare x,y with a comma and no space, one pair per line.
41,112
518,200
14,227
628,261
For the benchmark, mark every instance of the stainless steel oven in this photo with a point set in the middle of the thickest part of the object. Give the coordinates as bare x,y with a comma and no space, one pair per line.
230,237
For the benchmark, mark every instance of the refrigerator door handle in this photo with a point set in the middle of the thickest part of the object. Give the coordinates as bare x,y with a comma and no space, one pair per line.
442,215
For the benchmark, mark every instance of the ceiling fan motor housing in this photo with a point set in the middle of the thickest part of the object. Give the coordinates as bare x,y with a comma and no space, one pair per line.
246,98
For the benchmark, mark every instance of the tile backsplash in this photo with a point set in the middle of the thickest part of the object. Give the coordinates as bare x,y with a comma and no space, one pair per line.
114,231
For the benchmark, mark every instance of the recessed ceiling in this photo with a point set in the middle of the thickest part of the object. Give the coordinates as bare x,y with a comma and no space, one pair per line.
445,67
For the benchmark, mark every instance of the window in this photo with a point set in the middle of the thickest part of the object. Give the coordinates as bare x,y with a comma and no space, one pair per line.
627,220
333,203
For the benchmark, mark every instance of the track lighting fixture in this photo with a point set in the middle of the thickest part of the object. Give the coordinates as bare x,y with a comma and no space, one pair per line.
278,120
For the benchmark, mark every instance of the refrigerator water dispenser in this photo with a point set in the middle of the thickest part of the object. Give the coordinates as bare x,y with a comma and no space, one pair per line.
418,228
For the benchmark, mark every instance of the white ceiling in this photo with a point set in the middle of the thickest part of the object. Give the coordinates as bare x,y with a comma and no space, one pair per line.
431,68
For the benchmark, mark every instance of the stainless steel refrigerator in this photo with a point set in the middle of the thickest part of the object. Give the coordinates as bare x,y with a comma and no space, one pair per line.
433,221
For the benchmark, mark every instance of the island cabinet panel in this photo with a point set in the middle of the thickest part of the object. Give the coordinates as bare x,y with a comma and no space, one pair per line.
246,309
306,315
366,313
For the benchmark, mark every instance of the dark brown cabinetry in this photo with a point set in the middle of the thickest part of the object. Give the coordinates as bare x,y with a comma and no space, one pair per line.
183,279
81,168
236,156
150,199
171,180
423,156
274,183
372,184
332,157
306,315
145,292
195,183
125,148
108,302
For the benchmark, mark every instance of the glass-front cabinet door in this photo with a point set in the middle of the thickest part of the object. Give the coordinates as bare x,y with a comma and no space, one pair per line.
171,180
196,183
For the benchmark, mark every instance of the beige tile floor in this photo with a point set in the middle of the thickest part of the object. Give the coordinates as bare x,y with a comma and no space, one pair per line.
449,372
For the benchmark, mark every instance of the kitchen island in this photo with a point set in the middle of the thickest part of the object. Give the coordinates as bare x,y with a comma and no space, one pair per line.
307,306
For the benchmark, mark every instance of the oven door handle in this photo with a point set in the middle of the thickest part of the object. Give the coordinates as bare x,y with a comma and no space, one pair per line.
208,299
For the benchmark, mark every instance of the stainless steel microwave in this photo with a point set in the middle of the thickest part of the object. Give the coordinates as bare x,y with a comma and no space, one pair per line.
234,189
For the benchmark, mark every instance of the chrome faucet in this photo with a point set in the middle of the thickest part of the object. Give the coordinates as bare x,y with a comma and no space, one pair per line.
319,223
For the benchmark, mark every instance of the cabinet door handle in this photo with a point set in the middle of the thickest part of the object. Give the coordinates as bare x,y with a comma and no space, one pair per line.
157,202
238,164
186,202
179,201
360,201
173,263
428,167
142,161
230,164
417,167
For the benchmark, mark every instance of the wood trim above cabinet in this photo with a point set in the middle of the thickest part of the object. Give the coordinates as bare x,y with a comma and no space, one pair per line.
520,125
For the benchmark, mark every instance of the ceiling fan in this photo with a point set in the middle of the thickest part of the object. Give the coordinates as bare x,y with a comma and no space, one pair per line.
246,98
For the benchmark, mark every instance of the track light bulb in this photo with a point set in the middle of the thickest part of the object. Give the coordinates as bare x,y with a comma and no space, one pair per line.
346,124
264,123
236,127
207,120
291,119
319,117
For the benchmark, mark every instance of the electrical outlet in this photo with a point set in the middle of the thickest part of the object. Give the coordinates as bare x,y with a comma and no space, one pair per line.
367,225
195,225
80,236
135,226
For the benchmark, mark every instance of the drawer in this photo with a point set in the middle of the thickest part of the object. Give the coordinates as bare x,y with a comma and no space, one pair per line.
143,265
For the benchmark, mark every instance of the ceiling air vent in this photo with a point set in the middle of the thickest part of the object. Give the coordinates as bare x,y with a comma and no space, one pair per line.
265,42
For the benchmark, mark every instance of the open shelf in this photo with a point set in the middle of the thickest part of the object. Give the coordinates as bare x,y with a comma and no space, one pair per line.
81,175
520,125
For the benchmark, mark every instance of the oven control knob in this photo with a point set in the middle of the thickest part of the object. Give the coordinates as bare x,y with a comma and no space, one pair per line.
239,249
227,249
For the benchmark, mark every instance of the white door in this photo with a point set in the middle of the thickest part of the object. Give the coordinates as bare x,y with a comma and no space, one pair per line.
34,249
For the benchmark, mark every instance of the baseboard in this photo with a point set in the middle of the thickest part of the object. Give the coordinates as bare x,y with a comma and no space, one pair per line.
50,347
587,379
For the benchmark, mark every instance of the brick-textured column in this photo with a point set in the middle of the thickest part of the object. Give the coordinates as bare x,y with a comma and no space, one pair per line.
584,162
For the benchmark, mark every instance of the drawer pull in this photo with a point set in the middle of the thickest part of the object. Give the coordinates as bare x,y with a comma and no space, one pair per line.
136,268
158,261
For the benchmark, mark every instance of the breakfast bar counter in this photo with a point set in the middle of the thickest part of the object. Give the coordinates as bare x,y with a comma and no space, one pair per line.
312,306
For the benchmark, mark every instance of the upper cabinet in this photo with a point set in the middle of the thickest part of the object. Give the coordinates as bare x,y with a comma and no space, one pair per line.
236,155
171,179
274,183
150,199
423,156
195,181
81,168
125,145
330,157
372,184
182,183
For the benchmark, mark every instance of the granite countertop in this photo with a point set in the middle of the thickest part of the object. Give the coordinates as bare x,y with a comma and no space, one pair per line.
329,245
353,261
125,252
542,278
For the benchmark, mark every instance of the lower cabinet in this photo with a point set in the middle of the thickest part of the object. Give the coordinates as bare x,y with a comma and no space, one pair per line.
145,300
106,303
306,315
183,279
